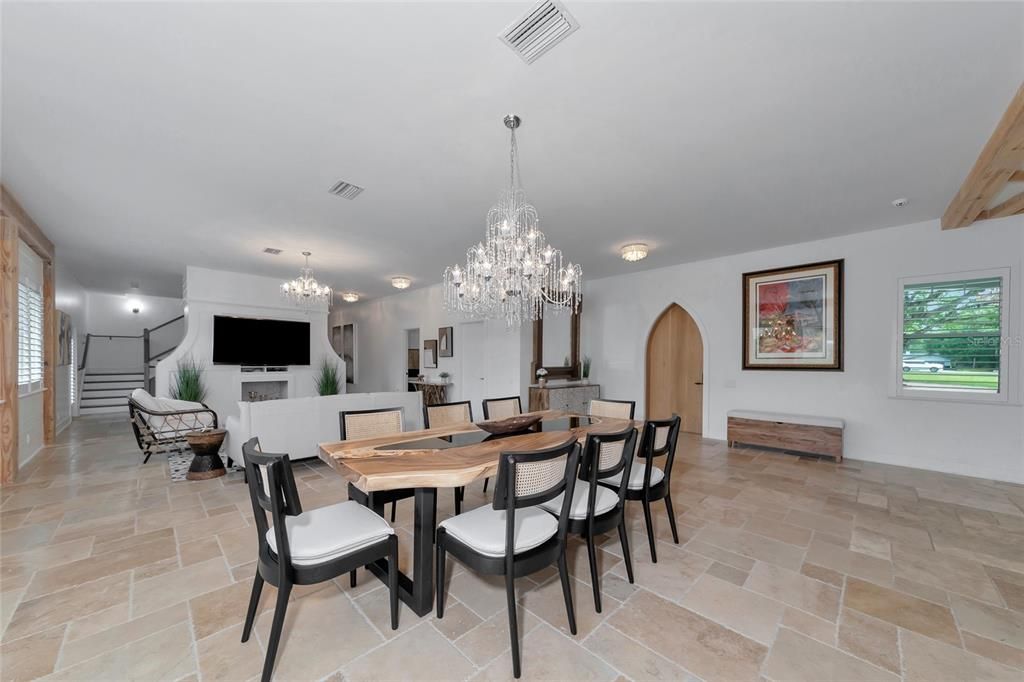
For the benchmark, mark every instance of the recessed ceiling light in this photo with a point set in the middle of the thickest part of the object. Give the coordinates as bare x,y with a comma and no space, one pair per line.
272,251
899,203
349,296
400,282
634,252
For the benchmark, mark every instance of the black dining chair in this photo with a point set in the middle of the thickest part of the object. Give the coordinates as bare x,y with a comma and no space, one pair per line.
597,509
649,483
501,408
613,409
446,414
305,548
356,424
514,537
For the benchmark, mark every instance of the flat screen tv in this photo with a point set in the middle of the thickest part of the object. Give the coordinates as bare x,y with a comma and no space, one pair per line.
251,341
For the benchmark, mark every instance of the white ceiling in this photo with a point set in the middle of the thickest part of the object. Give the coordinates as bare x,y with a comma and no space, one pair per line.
146,137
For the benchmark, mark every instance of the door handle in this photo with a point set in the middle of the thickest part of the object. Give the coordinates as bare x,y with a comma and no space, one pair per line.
698,383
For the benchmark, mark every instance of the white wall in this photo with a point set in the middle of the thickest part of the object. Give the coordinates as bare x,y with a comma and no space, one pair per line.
112,314
973,439
381,343
70,298
217,292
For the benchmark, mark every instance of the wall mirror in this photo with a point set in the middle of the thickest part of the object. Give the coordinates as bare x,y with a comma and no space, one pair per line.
556,343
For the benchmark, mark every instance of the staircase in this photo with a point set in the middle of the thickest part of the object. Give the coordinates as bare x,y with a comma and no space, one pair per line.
105,392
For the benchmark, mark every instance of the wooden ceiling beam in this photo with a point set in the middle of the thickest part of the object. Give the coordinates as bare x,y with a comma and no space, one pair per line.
31,233
1000,160
1012,206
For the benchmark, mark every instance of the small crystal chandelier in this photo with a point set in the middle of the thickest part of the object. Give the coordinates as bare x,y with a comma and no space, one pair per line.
305,290
514,272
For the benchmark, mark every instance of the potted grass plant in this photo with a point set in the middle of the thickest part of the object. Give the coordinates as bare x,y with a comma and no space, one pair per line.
187,381
327,380
586,369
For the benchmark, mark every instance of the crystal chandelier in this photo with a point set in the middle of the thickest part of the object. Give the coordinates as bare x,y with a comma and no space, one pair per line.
514,272
305,290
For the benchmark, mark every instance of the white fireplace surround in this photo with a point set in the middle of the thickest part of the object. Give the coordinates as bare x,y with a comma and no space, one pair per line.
217,292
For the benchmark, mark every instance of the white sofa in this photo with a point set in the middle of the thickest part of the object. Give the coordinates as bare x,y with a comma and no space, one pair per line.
298,425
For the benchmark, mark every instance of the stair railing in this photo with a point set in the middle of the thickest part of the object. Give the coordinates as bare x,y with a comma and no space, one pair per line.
147,356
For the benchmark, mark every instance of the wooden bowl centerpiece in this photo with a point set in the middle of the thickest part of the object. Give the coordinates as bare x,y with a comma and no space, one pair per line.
517,424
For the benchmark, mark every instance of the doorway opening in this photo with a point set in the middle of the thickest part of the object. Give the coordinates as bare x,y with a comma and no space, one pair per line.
412,355
675,370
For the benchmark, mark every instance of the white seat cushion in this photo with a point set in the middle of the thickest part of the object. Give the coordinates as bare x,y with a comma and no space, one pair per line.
636,476
604,500
169,425
319,535
483,529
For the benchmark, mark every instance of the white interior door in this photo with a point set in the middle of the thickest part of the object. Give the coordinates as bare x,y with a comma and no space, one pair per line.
469,345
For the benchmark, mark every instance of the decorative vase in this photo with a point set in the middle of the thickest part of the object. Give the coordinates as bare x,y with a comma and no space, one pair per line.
542,382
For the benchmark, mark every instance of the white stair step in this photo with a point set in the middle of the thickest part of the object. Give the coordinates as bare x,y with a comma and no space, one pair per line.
103,409
105,393
119,389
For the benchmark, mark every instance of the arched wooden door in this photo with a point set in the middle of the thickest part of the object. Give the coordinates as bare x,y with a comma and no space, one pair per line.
675,369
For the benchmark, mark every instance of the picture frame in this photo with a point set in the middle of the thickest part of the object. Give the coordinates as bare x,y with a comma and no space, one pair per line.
64,333
445,341
793,317
429,358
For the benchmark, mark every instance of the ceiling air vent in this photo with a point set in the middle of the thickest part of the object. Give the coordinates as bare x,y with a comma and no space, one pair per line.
272,251
345,190
540,29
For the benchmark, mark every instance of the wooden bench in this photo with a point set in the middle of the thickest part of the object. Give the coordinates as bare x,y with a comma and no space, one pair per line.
796,432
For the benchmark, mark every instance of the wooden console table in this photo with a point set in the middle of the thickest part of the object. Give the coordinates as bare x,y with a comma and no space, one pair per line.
570,396
794,432
433,393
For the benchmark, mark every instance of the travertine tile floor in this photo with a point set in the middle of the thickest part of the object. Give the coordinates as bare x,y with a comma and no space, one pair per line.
789,569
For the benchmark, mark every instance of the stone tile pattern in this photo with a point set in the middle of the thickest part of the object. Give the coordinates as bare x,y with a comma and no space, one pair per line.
789,568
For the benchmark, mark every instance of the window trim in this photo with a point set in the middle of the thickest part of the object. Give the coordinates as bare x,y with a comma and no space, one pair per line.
1006,377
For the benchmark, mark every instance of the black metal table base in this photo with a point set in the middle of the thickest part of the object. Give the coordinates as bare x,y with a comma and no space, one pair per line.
417,591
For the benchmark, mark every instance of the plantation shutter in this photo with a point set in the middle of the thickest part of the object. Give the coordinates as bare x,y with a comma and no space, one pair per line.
30,320
954,326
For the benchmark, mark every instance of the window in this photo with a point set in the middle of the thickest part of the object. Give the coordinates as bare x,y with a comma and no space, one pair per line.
951,334
30,338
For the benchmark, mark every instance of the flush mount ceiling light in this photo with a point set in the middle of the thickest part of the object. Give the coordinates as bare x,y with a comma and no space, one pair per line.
305,290
400,282
634,252
513,274
349,296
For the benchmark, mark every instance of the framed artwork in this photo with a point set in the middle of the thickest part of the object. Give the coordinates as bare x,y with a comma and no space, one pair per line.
793,317
445,338
63,338
429,354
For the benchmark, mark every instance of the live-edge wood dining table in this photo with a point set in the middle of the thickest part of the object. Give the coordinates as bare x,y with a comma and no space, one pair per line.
444,457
